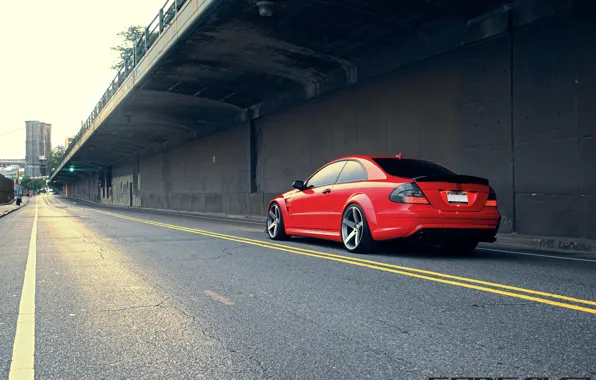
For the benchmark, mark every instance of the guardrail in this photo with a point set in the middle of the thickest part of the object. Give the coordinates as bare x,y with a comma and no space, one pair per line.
156,27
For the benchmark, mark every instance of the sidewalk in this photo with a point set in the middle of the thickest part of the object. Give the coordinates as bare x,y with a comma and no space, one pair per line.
8,208
554,244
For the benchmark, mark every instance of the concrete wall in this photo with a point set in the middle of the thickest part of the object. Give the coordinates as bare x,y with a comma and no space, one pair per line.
454,109
117,194
122,180
517,109
208,175
6,189
85,189
555,126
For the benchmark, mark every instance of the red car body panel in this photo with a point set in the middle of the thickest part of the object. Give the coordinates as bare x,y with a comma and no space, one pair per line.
317,212
309,209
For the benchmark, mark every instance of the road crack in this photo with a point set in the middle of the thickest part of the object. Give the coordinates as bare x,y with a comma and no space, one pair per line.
135,307
264,370
250,357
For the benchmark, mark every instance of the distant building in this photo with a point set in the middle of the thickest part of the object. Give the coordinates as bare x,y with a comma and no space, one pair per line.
38,147
12,172
6,189
68,141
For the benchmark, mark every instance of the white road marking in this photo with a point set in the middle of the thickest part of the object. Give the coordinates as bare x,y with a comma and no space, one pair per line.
23,351
535,254
53,206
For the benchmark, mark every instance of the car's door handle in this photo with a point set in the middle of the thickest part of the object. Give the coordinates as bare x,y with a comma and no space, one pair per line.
326,191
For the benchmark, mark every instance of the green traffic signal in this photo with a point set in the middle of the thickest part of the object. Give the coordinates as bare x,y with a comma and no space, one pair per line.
71,169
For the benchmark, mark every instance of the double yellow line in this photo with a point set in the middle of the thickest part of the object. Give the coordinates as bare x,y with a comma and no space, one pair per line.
470,283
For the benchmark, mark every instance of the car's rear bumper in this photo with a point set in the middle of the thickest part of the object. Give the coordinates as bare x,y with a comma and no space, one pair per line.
482,226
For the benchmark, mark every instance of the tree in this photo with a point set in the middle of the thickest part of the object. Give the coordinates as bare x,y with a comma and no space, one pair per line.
55,158
32,184
129,37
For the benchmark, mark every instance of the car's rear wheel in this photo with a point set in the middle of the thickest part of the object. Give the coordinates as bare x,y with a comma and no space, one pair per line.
459,247
355,233
275,223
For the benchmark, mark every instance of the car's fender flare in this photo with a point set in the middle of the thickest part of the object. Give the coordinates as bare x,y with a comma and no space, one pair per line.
282,205
366,205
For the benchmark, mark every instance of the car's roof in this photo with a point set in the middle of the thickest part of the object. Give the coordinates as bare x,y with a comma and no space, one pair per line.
373,157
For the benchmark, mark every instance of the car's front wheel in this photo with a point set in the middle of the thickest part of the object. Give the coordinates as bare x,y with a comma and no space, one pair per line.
355,233
275,223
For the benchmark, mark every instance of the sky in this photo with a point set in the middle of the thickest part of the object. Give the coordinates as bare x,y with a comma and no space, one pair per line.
55,62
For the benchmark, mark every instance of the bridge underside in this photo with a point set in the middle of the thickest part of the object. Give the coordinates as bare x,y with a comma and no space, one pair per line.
243,105
238,65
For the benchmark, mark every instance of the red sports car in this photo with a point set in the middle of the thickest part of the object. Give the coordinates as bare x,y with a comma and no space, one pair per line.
359,200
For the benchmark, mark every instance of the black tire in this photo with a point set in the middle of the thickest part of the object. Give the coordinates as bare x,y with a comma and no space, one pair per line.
275,231
459,247
353,214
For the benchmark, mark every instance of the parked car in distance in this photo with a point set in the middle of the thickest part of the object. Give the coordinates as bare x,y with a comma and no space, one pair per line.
361,200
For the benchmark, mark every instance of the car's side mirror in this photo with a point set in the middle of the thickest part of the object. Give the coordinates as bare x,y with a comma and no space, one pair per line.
298,185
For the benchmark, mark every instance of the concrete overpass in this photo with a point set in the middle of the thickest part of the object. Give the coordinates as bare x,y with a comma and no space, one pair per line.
12,161
222,108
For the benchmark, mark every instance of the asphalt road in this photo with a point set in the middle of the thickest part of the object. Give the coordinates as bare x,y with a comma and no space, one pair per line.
123,294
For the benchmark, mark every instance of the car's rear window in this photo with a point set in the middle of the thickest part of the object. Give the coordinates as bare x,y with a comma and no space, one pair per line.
407,168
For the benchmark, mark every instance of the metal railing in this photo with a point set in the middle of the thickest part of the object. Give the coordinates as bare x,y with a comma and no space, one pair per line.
158,25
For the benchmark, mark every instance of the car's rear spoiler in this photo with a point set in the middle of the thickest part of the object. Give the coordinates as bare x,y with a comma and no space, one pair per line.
453,179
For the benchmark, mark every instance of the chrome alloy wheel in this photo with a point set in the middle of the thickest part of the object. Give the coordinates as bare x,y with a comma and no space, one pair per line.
352,226
273,221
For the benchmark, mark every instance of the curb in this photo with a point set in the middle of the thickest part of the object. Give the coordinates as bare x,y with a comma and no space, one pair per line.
211,215
13,210
547,243
552,244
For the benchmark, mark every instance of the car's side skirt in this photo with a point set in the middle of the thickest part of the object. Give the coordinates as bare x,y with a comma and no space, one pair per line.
318,234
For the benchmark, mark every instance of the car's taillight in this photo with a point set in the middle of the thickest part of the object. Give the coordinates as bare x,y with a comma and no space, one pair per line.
408,193
492,199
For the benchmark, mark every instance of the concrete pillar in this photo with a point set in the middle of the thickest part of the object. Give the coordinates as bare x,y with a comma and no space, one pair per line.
136,186
252,157
166,177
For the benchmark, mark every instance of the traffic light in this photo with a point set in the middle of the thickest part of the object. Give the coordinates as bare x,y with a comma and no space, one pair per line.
71,169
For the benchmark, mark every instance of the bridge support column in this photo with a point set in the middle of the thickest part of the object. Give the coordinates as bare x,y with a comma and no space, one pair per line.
136,187
252,157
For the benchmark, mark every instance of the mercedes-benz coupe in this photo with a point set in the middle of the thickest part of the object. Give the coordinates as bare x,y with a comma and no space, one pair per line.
361,200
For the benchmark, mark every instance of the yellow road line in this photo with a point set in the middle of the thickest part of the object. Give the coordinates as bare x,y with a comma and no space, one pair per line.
407,271
377,263
388,265
23,351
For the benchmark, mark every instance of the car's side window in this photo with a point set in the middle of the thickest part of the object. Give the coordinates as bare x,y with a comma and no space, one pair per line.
352,172
326,176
